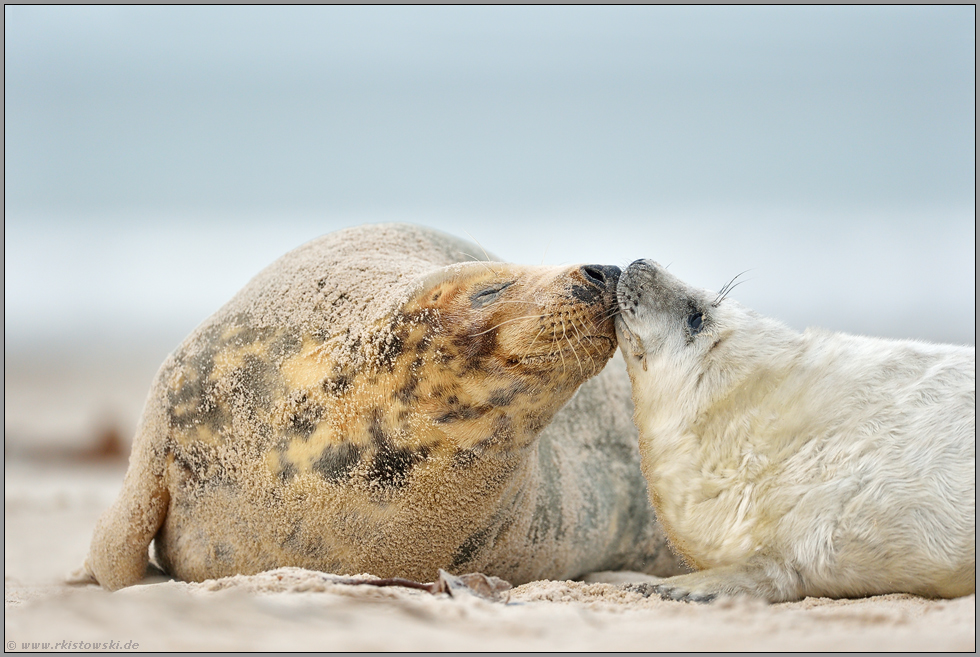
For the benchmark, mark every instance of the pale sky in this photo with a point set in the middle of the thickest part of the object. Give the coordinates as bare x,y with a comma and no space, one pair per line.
157,158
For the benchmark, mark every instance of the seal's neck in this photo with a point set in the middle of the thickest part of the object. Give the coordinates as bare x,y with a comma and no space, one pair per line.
697,420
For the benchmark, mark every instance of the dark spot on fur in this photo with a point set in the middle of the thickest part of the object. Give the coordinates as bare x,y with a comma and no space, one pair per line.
292,538
305,418
473,349
338,385
284,346
463,412
205,407
286,469
390,350
223,552
504,397
253,382
406,394
200,466
464,458
391,466
336,461
470,548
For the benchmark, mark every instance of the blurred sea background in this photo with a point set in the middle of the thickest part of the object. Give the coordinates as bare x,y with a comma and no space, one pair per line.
156,158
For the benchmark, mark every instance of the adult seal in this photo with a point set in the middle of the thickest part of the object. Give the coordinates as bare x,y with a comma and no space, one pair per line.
373,403
785,465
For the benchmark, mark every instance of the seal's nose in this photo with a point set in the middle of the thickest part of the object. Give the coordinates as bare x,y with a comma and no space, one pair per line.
602,276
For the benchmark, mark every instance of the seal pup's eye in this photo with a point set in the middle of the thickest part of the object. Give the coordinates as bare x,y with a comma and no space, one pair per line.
695,323
488,295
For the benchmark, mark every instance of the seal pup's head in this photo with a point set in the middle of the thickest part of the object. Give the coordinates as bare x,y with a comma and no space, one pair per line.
685,346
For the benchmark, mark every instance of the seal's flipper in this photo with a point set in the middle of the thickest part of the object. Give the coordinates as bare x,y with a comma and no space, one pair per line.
119,553
758,577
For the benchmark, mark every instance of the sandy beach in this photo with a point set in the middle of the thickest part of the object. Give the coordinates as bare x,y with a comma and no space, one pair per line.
51,504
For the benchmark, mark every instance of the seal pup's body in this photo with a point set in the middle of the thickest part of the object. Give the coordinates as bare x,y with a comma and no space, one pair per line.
371,403
785,465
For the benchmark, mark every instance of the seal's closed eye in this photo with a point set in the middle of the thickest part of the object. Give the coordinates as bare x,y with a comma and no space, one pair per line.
488,295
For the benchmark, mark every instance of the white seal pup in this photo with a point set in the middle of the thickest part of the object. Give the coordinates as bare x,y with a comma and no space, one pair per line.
372,403
785,465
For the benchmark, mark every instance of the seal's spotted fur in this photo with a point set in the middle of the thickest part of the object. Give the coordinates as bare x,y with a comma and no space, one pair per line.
386,431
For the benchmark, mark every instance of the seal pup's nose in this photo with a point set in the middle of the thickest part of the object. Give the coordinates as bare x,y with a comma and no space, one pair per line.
602,276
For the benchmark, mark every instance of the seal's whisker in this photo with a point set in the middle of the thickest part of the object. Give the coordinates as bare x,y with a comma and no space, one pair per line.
482,262
564,336
581,341
557,343
546,247
506,321
487,255
523,302
728,287
609,314
543,329
527,352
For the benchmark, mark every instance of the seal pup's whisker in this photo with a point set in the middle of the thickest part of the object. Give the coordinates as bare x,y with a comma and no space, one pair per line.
610,314
565,338
527,302
728,287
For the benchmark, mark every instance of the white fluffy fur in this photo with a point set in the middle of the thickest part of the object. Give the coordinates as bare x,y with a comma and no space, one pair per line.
786,464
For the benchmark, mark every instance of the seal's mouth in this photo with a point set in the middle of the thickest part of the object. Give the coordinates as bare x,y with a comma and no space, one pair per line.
628,338
629,297
629,287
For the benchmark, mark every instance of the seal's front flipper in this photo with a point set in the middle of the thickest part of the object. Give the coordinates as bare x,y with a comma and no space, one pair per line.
758,577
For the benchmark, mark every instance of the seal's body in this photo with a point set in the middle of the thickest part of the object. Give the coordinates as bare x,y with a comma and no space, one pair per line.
371,403
784,464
